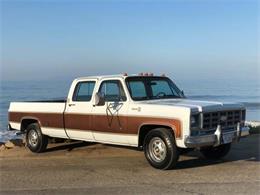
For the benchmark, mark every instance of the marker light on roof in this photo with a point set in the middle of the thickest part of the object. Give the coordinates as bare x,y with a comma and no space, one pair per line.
141,74
163,75
146,74
125,74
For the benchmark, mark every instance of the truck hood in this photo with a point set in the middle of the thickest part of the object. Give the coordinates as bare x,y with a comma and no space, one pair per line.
196,105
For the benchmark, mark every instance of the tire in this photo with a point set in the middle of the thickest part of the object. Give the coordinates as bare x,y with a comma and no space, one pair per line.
215,153
160,149
35,140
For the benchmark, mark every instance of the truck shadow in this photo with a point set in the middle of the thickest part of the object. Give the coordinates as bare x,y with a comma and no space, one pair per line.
247,149
68,146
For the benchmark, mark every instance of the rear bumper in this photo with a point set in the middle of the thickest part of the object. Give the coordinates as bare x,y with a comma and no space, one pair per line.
216,138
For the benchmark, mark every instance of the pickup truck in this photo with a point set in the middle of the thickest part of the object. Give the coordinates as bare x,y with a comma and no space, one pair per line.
144,111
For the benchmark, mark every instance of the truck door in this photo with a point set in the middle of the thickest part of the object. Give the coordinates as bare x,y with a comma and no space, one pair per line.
110,120
78,117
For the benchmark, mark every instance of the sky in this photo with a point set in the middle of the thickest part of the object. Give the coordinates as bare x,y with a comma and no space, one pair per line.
189,39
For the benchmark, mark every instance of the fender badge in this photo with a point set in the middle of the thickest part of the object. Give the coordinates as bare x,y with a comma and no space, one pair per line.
137,109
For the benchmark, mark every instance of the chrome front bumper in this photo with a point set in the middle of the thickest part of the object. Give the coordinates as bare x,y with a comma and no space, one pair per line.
216,138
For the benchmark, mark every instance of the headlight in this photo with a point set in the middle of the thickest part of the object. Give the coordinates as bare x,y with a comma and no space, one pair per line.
194,120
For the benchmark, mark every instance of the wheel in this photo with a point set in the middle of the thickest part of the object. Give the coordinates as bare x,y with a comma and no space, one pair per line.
160,149
35,140
215,153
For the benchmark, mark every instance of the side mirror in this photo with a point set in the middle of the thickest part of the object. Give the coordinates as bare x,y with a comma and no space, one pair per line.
99,99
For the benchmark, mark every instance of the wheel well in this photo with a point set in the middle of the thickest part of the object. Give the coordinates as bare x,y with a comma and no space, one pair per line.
145,129
26,122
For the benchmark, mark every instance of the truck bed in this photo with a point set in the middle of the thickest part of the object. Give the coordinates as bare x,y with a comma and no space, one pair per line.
49,112
50,101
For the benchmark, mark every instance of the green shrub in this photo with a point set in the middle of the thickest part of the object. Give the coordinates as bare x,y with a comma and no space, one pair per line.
254,130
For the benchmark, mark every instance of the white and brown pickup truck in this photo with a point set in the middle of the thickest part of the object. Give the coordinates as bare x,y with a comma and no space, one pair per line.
144,111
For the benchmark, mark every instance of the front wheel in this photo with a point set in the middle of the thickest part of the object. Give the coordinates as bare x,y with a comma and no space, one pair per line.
160,149
215,153
35,140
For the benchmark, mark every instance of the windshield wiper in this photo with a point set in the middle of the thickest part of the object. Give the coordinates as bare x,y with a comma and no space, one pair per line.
165,97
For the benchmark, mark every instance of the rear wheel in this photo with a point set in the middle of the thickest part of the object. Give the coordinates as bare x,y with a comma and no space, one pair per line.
215,153
160,149
35,140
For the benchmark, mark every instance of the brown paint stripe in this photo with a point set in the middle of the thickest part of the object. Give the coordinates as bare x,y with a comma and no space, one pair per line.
101,123
45,119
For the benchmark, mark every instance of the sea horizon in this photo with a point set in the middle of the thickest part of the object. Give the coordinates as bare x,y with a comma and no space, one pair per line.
246,93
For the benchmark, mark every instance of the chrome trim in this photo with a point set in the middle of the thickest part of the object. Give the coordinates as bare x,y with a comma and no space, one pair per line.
201,120
157,149
199,141
216,138
218,134
212,119
238,132
244,131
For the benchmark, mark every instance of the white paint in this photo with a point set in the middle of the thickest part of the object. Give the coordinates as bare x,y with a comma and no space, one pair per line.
15,125
114,138
85,135
44,107
54,132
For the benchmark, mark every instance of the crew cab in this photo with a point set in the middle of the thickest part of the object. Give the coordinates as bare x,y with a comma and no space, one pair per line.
145,111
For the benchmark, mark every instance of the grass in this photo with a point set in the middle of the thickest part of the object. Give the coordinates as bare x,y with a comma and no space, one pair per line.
254,130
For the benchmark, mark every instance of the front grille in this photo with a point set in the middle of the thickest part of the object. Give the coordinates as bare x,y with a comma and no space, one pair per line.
227,119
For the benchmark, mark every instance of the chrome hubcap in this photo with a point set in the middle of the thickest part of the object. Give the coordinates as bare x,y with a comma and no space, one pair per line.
33,137
157,149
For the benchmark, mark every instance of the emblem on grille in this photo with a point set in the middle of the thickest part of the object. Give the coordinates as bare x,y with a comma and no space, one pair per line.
223,118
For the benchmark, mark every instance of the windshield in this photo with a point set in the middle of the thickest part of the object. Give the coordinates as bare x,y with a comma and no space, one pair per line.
147,88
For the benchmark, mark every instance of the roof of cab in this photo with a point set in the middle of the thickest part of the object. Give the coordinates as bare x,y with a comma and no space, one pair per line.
113,76
102,77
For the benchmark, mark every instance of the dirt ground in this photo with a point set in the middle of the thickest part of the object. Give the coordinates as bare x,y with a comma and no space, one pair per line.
82,168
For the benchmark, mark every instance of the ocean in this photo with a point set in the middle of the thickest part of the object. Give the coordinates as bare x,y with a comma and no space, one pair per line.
216,90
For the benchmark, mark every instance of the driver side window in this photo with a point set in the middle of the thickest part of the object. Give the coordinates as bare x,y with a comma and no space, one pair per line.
112,90
160,87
